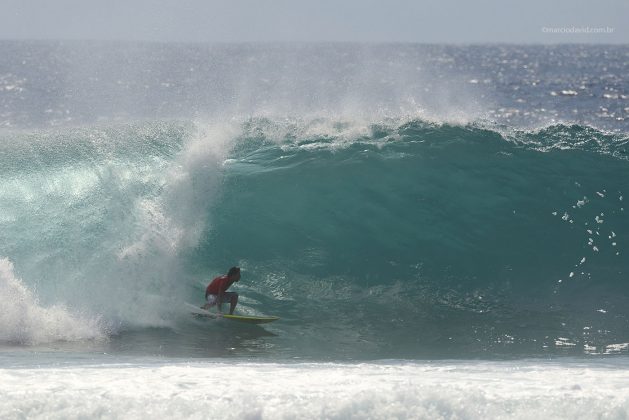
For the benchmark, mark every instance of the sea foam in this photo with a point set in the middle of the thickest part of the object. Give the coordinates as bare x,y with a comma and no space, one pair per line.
443,390
24,321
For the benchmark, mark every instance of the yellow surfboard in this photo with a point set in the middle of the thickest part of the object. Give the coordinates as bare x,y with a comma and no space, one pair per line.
202,313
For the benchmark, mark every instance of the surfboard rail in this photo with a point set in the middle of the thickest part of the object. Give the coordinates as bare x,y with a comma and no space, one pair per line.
202,313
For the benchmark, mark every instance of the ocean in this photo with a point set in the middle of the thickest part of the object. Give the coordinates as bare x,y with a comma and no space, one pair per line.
441,229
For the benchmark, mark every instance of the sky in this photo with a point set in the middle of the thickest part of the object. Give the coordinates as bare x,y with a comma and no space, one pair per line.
425,21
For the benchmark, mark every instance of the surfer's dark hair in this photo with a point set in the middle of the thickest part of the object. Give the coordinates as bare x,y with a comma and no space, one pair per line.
233,271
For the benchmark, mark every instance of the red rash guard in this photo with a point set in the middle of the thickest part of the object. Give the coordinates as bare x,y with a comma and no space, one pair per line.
218,285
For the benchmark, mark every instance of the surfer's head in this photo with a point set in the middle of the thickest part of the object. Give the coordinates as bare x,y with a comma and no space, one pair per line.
234,273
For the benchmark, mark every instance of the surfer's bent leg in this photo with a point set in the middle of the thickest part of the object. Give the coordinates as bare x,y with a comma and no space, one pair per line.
232,297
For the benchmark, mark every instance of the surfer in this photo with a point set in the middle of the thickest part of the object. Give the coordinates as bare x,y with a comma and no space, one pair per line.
216,292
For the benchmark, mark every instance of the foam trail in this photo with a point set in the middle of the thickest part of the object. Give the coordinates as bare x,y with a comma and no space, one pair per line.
24,321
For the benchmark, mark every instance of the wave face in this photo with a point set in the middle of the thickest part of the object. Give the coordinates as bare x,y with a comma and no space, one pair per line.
420,237
396,238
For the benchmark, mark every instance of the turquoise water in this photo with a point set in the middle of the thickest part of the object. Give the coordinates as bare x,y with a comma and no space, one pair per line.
398,238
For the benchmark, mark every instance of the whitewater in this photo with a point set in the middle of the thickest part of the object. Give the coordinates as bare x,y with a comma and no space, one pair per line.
401,389
441,229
